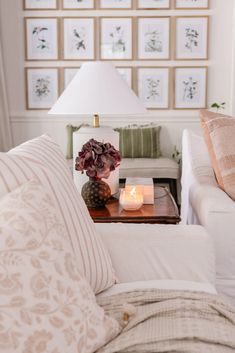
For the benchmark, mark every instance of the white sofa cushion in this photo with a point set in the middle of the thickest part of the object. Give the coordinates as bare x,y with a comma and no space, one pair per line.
46,305
149,168
146,252
42,157
204,203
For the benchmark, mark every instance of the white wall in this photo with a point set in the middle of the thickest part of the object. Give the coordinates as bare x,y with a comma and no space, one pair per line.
28,124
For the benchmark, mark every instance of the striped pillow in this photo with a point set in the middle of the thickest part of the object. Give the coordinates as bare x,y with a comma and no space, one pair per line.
139,141
42,158
219,134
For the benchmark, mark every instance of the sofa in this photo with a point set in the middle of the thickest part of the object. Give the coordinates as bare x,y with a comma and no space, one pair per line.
69,285
205,203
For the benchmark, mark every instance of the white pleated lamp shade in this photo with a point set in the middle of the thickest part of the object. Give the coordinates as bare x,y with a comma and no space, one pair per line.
98,88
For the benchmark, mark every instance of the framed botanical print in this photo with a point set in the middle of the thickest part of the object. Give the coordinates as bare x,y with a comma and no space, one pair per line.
153,4
191,38
78,4
79,38
41,87
41,36
40,4
153,38
190,87
153,86
116,38
115,4
191,4
126,73
68,75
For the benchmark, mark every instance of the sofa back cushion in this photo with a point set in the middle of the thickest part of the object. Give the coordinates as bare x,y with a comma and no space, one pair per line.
46,305
219,134
42,158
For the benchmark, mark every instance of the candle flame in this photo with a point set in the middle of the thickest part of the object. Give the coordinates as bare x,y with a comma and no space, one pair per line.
133,192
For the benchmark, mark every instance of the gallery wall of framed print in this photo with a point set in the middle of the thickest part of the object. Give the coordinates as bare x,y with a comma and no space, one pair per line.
191,38
116,38
41,37
126,73
153,4
190,91
68,75
115,4
42,87
78,4
153,38
191,4
79,38
153,86
40,4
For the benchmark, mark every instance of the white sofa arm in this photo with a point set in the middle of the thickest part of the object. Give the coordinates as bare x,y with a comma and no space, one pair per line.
147,252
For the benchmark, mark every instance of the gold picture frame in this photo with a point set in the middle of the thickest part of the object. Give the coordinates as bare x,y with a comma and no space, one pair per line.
166,103
32,50
176,89
34,100
73,57
192,8
115,8
152,8
131,44
94,2
149,55
191,40
56,7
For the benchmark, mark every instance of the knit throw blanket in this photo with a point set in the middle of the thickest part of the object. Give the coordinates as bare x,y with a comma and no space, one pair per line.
171,321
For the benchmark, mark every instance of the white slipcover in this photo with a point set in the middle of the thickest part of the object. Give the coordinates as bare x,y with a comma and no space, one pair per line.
204,203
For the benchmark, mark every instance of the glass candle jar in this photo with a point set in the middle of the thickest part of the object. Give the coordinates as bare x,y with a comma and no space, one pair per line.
131,199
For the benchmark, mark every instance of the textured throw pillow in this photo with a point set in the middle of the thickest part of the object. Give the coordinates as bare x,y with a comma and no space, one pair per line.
42,158
139,141
46,305
219,135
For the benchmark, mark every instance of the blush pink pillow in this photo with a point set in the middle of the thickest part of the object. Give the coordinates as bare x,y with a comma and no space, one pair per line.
219,135
46,305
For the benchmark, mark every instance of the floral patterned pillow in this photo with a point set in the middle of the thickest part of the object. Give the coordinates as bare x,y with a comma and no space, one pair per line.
45,304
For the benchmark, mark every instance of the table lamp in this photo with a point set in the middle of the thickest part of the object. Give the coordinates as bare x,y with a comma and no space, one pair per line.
98,90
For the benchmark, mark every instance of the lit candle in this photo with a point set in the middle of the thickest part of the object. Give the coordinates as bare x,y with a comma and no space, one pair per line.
131,199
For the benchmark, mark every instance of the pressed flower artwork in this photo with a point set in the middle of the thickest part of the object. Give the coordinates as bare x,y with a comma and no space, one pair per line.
78,4
191,4
116,38
191,38
190,87
40,4
154,38
42,87
153,87
41,39
115,4
79,39
153,4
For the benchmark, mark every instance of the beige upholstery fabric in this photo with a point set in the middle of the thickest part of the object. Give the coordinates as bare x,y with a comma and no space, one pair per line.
42,158
46,305
149,168
219,134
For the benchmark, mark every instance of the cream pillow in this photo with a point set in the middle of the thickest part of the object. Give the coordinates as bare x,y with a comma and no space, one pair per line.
46,305
219,135
43,158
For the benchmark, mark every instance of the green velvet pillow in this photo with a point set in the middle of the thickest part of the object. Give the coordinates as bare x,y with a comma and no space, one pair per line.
140,141
70,130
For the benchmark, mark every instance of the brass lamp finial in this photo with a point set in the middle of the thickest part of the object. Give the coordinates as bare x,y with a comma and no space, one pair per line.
96,121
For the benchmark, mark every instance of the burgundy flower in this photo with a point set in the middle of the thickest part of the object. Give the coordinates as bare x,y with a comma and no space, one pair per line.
98,159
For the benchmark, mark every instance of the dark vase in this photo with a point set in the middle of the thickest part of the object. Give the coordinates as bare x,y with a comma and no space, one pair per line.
95,193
